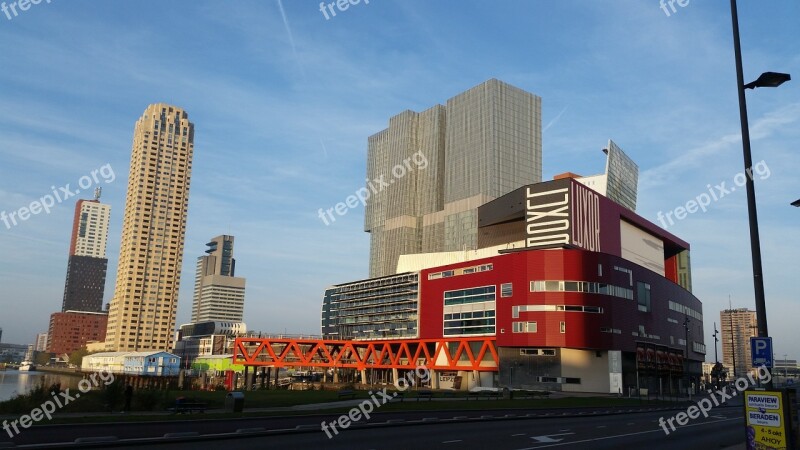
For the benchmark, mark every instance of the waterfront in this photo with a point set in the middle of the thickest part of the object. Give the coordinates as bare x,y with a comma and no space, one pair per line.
13,382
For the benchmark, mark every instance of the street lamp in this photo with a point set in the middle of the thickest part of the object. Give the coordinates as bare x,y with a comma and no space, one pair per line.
716,333
796,203
767,79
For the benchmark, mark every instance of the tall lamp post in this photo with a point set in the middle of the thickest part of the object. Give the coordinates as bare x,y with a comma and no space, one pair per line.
767,79
796,203
716,333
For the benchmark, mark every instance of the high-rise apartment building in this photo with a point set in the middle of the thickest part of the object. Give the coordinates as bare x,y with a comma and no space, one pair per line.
482,144
87,264
738,326
142,313
41,342
218,293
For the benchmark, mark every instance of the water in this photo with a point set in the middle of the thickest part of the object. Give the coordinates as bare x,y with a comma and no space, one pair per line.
14,382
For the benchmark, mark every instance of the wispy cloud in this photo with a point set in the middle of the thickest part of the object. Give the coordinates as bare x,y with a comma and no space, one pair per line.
291,38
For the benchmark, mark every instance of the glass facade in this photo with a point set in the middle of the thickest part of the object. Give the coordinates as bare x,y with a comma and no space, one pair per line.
623,177
470,311
372,309
482,144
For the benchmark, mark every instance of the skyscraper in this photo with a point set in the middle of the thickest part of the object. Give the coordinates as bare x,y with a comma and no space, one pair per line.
482,144
218,293
87,264
738,326
142,313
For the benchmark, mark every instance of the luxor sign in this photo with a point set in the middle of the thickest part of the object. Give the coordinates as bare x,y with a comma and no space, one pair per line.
567,214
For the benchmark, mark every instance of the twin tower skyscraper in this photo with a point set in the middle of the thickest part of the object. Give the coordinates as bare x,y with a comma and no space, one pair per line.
482,144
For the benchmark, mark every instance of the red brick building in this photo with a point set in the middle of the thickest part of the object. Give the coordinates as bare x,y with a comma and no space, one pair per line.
71,330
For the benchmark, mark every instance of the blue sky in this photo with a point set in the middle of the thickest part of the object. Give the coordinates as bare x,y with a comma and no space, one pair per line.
283,107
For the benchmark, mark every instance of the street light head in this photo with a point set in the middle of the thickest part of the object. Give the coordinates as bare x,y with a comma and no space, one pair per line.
796,203
769,79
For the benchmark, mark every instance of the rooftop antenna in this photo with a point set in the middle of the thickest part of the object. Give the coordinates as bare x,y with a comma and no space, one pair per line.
98,191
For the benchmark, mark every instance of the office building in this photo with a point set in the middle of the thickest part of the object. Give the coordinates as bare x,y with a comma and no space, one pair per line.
72,330
444,162
578,293
737,327
87,264
142,312
218,293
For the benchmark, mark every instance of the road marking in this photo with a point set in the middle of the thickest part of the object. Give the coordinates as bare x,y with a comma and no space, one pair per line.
546,439
629,424
601,426
561,431
451,442
518,434
625,435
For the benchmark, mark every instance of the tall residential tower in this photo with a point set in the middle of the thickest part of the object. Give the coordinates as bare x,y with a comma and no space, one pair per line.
142,313
737,327
87,264
218,293
482,144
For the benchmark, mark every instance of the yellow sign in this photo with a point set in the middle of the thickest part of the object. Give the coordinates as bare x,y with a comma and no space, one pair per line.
764,418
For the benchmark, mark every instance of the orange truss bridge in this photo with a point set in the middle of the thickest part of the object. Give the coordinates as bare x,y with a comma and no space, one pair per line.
479,354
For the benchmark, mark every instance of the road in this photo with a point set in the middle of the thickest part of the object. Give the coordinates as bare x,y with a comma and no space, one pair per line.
466,430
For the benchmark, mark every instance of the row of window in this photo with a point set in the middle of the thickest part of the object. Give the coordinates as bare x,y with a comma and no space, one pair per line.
589,287
677,307
515,310
461,271
469,315
475,295
537,352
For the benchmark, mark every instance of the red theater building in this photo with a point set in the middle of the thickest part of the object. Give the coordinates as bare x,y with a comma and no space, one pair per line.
579,293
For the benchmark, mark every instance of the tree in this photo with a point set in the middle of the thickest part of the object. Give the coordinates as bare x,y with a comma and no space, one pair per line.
41,358
77,356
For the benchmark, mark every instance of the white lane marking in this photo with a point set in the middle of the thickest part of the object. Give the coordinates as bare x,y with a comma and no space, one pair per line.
625,435
518,434
601,426
546,439
451,442
561,431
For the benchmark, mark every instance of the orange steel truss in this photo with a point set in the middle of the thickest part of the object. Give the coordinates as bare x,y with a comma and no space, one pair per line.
437,354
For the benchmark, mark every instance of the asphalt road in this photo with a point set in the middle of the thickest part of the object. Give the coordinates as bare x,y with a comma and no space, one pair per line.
445,430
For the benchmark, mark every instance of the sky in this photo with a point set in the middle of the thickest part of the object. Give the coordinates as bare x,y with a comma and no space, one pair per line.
284,98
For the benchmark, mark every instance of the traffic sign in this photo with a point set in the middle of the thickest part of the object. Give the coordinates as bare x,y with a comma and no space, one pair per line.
761,351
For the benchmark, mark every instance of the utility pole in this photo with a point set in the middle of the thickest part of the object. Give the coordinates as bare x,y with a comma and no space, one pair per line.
716,357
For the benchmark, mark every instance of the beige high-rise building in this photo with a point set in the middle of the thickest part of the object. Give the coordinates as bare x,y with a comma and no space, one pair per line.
738,326
218,293
142,314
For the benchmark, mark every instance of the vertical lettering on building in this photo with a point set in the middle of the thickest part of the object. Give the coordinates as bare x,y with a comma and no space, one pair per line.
585,218
547,217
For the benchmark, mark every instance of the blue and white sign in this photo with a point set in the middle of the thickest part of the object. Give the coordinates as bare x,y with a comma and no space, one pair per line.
761,351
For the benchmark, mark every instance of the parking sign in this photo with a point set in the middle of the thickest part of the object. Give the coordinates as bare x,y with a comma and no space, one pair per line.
761,351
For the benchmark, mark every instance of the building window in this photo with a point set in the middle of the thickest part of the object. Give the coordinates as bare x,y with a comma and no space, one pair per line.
643,296
524,327
506,290
474,295
563,327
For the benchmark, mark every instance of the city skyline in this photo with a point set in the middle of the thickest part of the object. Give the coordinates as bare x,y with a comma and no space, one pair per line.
285,131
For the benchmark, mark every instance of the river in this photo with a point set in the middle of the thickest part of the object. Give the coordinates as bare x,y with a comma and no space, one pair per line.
13,382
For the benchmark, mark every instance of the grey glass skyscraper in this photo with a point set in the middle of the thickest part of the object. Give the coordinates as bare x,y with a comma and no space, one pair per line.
484,143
